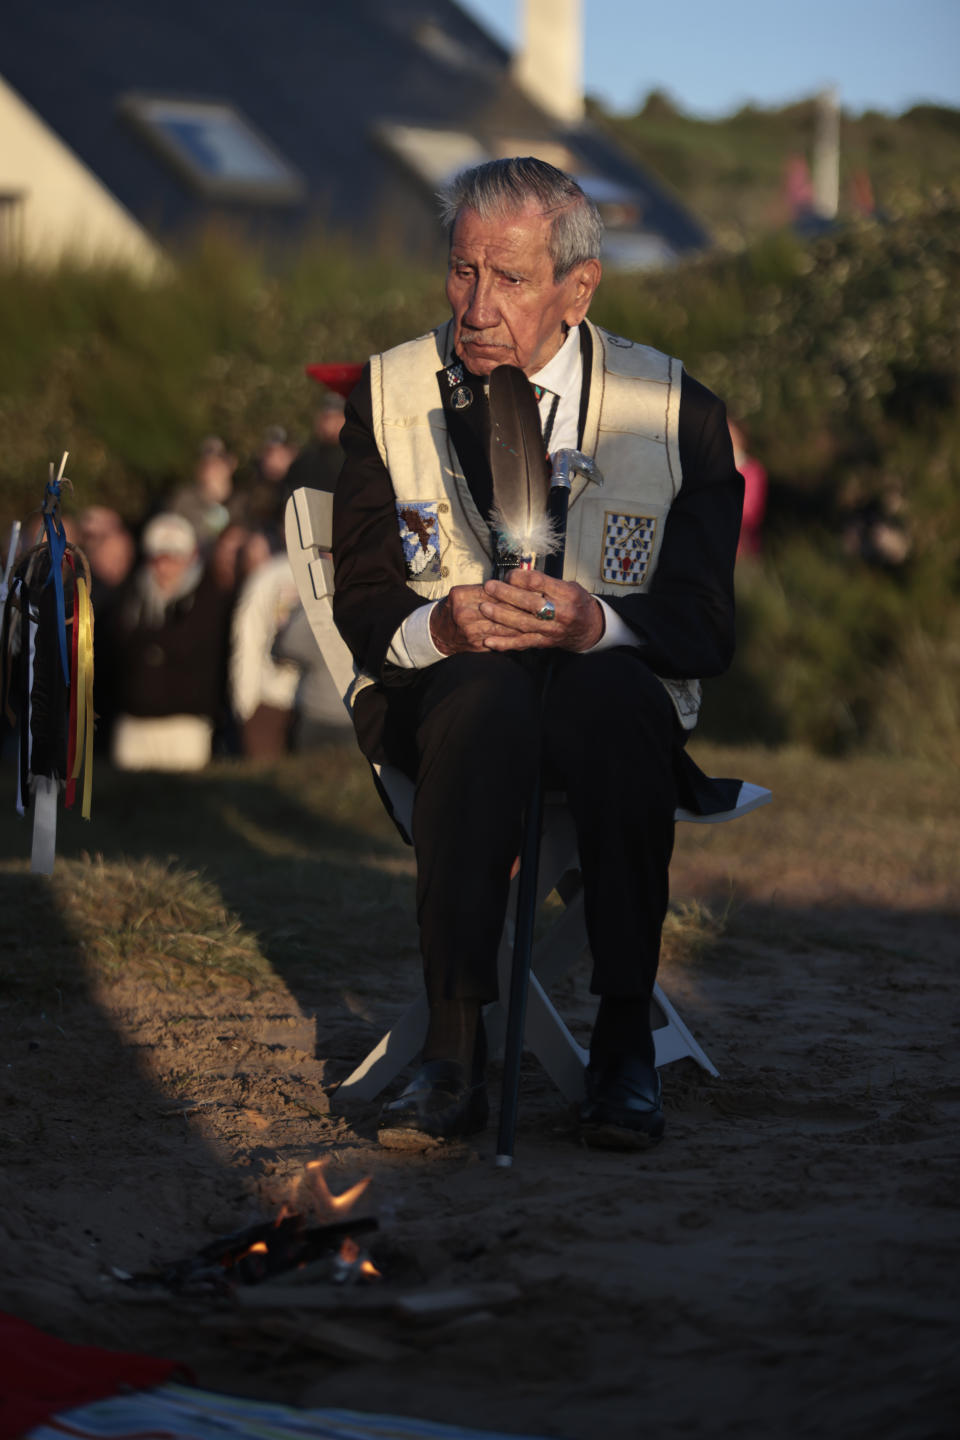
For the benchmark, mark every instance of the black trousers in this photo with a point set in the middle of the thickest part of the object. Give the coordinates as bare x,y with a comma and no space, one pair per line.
470,731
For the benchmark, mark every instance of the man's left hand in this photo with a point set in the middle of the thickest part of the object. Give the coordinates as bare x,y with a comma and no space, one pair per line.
577,622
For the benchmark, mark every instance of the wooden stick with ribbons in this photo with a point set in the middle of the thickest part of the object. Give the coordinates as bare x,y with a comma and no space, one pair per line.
46,672
530,496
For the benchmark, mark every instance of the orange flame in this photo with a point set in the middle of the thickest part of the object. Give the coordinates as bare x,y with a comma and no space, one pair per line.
258,1247
323,1198
350,1254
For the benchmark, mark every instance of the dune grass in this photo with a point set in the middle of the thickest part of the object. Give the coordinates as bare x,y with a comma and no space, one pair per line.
246,877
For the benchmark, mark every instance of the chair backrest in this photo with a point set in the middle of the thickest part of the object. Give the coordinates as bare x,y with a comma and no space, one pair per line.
308,524
308,527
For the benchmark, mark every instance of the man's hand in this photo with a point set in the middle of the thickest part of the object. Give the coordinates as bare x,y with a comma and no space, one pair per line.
457,624
511,609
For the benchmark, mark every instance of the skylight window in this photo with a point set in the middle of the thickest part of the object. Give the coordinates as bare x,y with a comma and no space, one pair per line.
434,155
215,149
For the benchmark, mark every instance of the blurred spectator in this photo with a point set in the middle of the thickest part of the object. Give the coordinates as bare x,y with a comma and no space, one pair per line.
110,549
798,188
799,193
262,689
33,532
235,555
209,501
276,455
166,647
319,712
876,531
862,201
265,493
318,464
754,493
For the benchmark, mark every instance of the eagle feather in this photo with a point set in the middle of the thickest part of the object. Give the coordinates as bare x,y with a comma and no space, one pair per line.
520,471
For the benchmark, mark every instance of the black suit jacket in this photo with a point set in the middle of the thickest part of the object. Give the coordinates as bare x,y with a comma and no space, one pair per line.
684,621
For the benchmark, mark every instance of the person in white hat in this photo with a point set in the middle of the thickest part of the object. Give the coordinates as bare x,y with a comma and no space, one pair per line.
165,647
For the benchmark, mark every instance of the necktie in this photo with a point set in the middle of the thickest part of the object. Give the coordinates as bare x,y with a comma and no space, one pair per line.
546,422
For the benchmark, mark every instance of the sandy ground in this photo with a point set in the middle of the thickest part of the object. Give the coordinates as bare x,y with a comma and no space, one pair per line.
784,1264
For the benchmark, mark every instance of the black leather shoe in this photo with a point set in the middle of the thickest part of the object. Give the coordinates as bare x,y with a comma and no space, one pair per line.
623,1109
438,1105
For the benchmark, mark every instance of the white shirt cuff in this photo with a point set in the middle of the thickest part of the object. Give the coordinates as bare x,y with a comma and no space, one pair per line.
412,646
615,630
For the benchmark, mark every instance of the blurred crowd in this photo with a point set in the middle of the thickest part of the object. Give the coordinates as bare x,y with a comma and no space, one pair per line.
202,648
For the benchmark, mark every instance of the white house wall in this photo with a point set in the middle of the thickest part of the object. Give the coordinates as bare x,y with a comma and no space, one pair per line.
61,209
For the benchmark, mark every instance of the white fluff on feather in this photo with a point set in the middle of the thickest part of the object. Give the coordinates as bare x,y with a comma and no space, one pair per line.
535,536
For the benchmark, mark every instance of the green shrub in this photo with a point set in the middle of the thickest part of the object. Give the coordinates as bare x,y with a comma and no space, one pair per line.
841,357
128,375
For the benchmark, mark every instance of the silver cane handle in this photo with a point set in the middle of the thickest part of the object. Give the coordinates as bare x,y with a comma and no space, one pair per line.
565,464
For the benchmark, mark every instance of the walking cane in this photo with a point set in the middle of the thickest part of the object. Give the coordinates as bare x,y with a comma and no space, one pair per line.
513,422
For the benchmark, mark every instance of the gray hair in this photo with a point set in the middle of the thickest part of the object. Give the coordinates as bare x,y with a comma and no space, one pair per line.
503,187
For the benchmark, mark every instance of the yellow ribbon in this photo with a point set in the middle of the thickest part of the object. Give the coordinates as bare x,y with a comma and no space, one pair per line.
83,752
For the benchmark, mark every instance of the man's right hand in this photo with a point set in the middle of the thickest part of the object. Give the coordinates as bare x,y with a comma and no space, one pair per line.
457,626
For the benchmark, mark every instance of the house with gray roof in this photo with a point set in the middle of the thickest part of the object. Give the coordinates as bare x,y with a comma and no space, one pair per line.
129,125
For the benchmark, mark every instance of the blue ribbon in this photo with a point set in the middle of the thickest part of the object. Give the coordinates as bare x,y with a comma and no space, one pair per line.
57,543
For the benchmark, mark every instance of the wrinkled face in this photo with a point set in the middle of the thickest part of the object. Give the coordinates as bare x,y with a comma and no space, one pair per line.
507,307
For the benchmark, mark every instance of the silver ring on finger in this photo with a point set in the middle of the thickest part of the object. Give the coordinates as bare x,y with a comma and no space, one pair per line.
547,611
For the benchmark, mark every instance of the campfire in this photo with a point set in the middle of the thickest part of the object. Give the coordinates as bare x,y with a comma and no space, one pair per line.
304,1279
314,1227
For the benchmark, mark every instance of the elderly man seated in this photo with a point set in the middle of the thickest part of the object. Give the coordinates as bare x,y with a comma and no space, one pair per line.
450,689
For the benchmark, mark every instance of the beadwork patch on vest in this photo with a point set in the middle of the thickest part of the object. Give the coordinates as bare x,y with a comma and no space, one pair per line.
627,547
419,523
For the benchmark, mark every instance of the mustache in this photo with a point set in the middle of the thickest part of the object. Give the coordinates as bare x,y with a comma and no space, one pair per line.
467,334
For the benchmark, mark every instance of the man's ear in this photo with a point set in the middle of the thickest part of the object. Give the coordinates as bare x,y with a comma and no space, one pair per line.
584,279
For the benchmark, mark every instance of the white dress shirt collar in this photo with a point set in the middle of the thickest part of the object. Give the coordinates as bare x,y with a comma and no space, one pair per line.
562,376
563,371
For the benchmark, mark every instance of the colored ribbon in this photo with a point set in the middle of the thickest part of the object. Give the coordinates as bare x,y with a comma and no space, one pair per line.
57,543
81,702
74,741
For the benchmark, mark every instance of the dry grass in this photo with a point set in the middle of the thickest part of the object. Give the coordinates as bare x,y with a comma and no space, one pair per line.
244,874
691,927
866,825
202,883
154,917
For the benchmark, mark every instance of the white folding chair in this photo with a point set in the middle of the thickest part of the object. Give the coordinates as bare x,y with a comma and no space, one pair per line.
309,517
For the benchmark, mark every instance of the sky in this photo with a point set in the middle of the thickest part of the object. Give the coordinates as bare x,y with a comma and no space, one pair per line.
712,58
